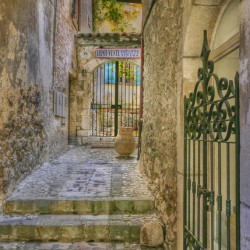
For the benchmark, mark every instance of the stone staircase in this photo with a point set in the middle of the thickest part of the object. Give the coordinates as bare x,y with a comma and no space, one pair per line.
86,199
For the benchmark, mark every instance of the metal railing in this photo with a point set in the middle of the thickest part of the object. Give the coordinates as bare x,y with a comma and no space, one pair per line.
211,160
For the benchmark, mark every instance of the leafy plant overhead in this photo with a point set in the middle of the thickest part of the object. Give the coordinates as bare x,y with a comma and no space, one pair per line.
109,10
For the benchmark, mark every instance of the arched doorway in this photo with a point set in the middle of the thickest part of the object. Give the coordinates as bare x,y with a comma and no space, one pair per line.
115,98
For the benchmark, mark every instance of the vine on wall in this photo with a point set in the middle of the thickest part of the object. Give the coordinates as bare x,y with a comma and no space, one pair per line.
111,11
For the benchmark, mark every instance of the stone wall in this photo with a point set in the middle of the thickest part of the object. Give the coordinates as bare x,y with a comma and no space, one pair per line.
86,25
158,158
31,67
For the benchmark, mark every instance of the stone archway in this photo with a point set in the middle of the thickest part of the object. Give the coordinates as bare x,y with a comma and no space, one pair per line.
81,83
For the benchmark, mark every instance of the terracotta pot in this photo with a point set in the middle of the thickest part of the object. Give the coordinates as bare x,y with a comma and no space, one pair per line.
125,142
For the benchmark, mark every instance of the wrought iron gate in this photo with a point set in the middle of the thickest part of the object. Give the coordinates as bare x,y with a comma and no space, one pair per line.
115,98
211,160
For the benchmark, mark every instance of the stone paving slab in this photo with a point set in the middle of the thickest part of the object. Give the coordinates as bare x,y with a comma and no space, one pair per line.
84,172
83,181
74,246
71,228
85,195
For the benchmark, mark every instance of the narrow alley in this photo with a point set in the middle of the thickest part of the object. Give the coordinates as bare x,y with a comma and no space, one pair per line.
124,124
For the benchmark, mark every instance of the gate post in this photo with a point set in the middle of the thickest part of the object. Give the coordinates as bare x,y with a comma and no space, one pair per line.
116,96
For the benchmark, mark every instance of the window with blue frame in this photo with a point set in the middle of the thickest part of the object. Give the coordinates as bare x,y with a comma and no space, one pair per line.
138,75
109,73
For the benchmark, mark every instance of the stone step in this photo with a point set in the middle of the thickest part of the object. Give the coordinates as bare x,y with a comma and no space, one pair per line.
72,141
94,206
73,228
74,246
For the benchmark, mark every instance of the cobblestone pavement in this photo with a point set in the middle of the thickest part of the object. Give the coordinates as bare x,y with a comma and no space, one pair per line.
87,194
73,246
84,172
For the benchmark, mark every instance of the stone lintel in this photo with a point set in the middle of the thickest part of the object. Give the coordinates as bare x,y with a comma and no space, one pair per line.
207,2
109,39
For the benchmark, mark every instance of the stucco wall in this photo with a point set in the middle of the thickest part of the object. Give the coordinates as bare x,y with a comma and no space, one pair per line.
158,158
29,132
124,17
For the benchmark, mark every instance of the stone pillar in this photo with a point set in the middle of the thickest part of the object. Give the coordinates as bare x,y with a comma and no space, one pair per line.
83,99
72,104
245,124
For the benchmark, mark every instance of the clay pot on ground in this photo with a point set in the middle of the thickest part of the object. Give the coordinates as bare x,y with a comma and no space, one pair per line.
125,142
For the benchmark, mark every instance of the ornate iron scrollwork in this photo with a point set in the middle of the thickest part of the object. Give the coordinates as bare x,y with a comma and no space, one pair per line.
208,108
211,150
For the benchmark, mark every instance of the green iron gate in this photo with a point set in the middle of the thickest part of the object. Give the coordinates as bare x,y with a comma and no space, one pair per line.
115,98
211,160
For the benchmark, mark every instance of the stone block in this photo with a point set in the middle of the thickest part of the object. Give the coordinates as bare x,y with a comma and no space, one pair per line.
120,233
25,232
89,233
24,207
83,207
134,234
151,234
144,206
44,206
72,233
46,233
9,206
6,232
62,206
101,207
102,233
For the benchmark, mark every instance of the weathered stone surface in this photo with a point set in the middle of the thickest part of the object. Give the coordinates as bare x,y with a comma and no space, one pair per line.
84,195
151,234
71,228
83,181
158,158
31,66
74,246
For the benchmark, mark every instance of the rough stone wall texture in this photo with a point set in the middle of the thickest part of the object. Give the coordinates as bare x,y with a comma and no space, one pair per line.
158,158
29,132
146,5
245,124
64,41
86,18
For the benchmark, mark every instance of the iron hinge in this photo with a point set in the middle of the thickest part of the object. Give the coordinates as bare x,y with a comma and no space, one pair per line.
209,195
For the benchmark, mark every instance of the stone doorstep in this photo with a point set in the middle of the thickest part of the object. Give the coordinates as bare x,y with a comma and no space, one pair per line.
94,206
74,246
72,228
102,144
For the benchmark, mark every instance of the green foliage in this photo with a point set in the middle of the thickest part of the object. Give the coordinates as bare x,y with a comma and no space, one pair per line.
111,11
128,70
